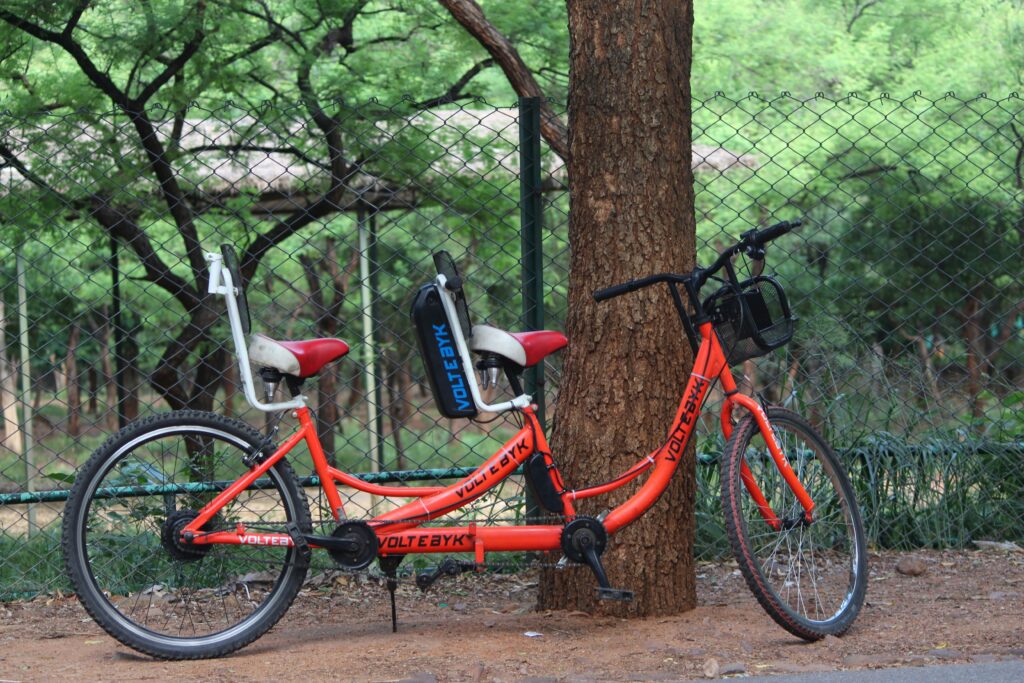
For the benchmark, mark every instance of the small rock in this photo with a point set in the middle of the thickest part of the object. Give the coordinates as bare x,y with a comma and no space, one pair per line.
733,668
869,660
489,623
420,677
711,668
477,672
999,545
459,607
746,647
985,659
792,667
911,566
1002,595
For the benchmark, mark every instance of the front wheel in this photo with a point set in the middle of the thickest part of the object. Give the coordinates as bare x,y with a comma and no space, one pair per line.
122,546
811,578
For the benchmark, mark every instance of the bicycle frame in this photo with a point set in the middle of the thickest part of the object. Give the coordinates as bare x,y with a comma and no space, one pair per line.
398,532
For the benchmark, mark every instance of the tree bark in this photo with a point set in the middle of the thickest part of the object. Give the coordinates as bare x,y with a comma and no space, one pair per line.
231,382
74,395
471,16
107,368
631,215
973,334
10,427
94,389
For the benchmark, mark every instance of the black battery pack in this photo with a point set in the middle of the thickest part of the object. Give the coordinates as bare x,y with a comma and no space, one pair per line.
441,358
541,474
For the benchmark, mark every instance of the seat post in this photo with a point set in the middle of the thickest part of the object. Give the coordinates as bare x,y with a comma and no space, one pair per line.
271,377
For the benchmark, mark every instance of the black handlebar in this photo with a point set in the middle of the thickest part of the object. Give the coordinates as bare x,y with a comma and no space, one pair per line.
633,285
761,237
752,242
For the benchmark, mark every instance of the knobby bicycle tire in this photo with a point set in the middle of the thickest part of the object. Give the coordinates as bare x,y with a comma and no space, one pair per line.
811,579
136,583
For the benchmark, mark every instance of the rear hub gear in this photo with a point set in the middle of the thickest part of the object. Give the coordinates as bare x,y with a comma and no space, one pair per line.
173,543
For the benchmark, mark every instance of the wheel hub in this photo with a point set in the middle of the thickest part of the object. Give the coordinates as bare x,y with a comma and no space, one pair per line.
173,543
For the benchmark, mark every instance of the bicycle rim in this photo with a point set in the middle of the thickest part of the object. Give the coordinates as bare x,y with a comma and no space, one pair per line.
811,578
163,598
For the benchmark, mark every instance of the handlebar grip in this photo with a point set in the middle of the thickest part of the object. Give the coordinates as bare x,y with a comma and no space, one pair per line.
615,290
777,230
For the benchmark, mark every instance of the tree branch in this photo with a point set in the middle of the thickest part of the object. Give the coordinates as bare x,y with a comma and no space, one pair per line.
243,147
76,14
176,64
858,12
455,92
122,225
469,14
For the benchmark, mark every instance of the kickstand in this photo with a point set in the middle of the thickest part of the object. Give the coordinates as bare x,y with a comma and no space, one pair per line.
389,565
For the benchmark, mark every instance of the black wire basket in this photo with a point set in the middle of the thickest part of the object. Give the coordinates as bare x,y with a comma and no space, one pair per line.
751,319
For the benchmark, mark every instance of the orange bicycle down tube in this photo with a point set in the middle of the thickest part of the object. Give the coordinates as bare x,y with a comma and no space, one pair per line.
733,397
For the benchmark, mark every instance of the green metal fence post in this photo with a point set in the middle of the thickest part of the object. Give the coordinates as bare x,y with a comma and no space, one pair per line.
531,223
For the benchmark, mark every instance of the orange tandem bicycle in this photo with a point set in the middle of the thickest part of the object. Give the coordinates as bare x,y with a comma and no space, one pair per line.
188,534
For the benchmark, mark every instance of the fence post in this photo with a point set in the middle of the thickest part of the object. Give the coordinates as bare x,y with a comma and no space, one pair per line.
26,384
369,337
531,222
531,219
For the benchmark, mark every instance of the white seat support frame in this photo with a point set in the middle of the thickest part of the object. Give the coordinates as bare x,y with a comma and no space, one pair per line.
448,301
220,283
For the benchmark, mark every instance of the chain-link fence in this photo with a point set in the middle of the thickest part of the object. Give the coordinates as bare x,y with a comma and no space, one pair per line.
906,279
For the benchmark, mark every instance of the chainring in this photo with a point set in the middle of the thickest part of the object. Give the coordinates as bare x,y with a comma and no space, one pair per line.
578,533
362,536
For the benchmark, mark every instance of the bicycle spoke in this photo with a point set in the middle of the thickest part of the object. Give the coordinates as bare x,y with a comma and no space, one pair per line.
141,573
809,566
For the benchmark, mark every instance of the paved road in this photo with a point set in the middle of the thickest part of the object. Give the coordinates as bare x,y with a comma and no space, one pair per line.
1001,672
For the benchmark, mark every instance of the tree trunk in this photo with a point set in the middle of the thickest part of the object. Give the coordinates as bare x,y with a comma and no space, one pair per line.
631,215
129,371
396,385
10,427
231,382
94,389
74,395
327,411
107,366
972,342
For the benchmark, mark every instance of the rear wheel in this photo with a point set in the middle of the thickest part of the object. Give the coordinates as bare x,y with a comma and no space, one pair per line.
128,564
811,578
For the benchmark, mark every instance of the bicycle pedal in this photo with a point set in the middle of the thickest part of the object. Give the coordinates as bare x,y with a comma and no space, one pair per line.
613,594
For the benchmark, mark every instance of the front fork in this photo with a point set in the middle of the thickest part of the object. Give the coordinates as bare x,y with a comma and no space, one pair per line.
778,457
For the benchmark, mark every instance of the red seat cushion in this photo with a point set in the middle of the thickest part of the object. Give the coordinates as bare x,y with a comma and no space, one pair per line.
540,344
313,354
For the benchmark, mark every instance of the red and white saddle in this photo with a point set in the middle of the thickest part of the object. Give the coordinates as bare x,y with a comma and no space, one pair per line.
522,348
299,358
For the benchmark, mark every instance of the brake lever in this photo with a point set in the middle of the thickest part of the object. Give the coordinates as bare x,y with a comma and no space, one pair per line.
755,252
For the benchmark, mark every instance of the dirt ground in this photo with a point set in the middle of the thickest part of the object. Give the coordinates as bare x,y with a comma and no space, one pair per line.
966,606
